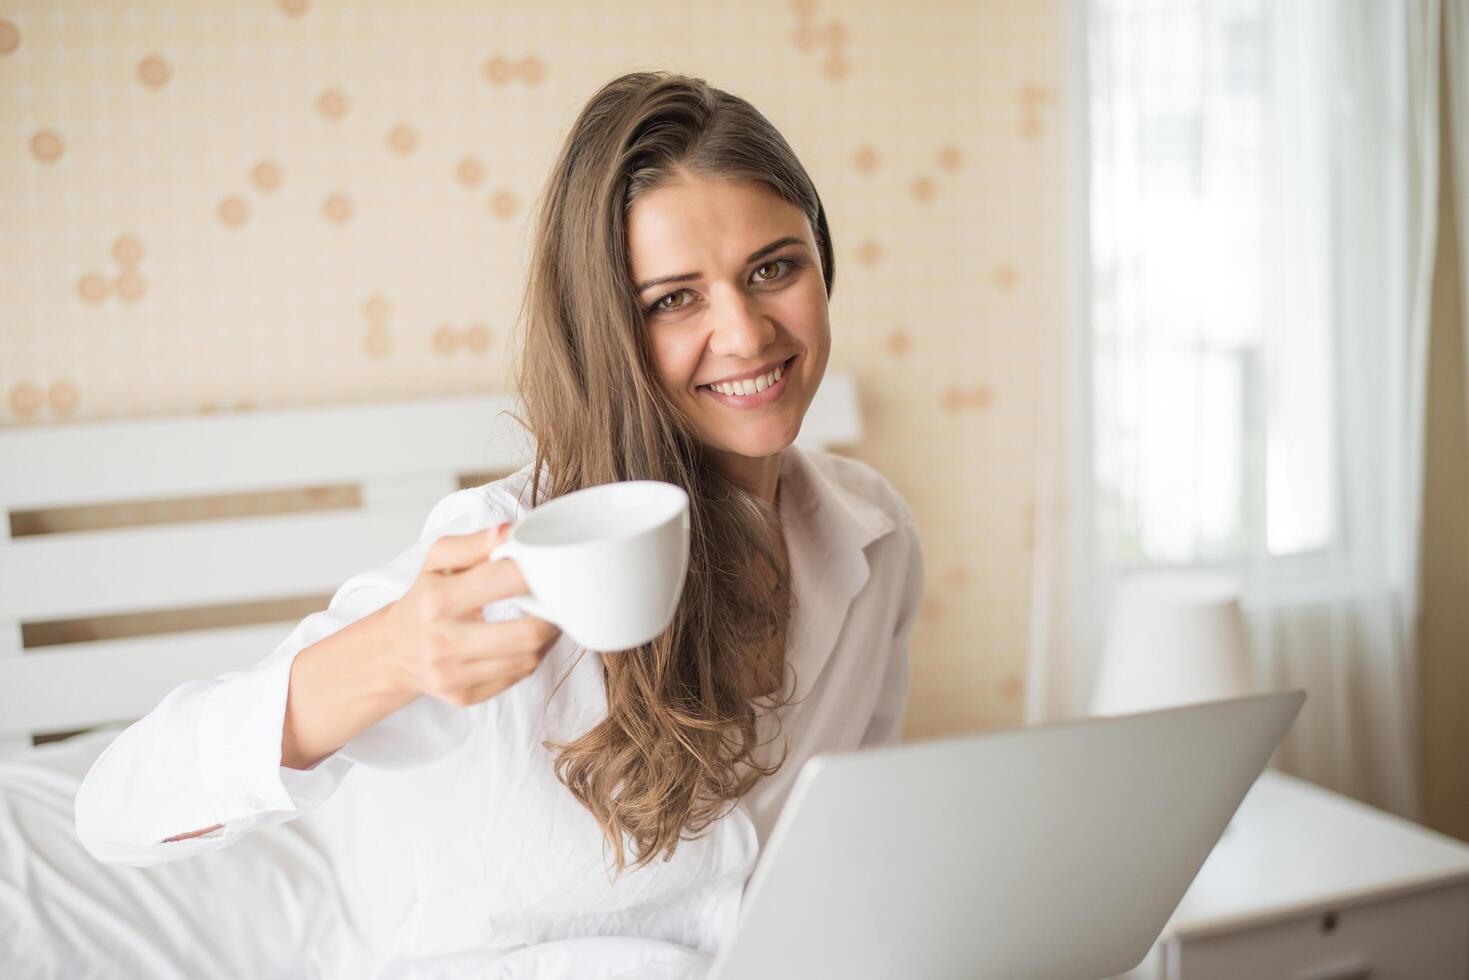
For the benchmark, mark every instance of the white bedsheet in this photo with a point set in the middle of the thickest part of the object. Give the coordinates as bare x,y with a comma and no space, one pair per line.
319,897
268,908
616,958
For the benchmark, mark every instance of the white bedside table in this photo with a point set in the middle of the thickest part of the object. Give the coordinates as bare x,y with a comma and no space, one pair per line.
1307,884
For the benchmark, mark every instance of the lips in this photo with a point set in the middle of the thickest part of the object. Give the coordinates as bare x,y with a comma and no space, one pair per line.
771,394
784,366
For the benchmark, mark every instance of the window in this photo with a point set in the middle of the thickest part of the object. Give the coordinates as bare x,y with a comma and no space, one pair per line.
1211,348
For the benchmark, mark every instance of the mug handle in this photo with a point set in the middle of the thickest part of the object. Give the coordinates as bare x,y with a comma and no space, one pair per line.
527,603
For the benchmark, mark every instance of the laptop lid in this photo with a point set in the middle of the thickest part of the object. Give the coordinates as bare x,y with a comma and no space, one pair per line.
1052,851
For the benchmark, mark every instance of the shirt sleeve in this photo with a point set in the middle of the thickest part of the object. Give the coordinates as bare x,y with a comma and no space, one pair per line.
210,752
886,725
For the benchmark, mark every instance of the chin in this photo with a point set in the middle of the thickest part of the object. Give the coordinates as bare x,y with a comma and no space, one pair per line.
759,445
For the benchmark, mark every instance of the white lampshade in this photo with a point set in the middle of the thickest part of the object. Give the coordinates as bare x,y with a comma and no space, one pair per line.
1173,638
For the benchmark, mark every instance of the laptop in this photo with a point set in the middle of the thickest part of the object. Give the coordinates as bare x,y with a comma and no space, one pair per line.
1054,851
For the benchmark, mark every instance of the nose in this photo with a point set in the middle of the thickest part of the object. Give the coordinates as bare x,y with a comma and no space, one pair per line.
741,329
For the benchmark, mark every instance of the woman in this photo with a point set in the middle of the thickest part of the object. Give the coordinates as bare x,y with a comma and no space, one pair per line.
597,816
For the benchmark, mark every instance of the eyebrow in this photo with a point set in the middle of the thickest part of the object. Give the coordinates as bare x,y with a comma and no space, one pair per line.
754,256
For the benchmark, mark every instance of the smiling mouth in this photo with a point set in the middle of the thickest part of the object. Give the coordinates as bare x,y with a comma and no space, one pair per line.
784,369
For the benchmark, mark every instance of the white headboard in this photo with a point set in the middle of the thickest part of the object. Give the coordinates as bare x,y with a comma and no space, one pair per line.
402,456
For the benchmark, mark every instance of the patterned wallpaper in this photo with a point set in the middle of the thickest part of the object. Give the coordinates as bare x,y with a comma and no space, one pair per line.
224,206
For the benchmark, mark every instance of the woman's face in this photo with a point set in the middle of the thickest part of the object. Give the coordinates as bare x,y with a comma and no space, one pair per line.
745,296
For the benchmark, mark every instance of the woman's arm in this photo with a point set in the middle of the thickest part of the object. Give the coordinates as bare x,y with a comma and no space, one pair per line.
339,687
218,758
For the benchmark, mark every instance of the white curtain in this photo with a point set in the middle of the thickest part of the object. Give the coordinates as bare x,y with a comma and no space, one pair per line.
1456,51
1240,384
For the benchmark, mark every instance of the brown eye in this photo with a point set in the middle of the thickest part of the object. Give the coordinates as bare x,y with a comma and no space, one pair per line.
781,267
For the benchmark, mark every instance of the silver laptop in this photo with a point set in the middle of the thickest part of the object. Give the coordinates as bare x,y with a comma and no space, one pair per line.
1053,852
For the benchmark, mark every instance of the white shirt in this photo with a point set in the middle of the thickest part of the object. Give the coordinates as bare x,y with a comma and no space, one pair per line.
506,872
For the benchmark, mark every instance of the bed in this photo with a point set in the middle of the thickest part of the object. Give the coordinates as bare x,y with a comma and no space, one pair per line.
137,555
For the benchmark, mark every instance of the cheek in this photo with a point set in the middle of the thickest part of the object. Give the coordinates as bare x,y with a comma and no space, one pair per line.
675,359
807,318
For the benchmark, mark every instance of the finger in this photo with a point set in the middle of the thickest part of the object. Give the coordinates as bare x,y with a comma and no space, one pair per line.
470,683
454,552
487,582
508,639
484,679
496,686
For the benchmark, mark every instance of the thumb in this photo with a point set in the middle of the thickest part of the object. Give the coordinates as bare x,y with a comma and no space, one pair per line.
497,534
453,552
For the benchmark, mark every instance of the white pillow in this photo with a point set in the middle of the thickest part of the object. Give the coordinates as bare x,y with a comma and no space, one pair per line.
267,907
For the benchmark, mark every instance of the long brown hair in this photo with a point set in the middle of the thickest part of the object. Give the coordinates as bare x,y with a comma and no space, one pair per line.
677,743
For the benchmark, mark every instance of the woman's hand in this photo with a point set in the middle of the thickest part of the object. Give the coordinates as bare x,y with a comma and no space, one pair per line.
442,645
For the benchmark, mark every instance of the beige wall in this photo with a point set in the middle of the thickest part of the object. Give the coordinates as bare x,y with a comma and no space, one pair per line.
1444,629
229,206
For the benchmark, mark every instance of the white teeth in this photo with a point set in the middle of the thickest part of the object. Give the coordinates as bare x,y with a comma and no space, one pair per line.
750,386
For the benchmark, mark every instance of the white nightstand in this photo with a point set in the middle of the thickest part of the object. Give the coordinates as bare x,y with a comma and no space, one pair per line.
1307,884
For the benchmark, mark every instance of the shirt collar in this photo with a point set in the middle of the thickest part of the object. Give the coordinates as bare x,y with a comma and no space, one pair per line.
847,520
827,527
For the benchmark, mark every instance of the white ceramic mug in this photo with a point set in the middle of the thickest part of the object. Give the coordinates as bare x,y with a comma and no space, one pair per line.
606,564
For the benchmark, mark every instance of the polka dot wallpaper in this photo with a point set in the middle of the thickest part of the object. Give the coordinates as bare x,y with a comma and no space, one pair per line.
225,206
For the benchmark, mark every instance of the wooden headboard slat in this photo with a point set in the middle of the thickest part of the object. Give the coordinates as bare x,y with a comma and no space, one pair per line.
85,684
140,459
163,566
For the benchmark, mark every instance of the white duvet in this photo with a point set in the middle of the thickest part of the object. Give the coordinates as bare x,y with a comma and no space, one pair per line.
268,908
